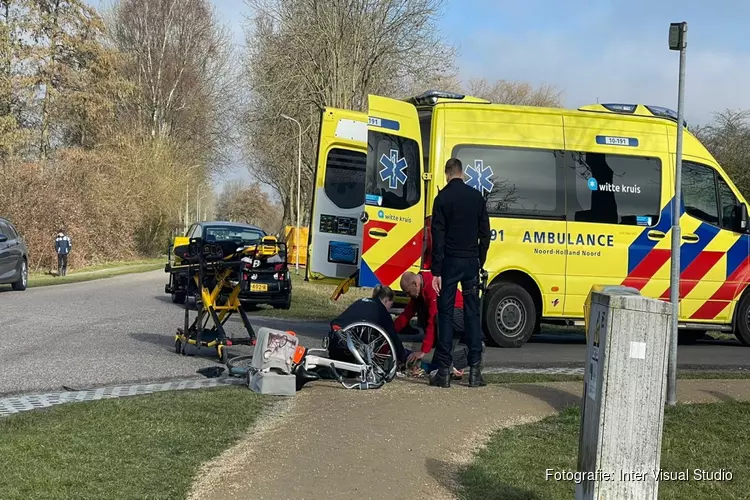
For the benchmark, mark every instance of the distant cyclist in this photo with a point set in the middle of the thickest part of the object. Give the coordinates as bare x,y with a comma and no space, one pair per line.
63,246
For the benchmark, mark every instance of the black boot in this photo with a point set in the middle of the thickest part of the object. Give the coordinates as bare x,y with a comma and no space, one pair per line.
475,376
441,379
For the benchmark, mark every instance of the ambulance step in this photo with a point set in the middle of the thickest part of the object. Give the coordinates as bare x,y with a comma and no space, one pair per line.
705,326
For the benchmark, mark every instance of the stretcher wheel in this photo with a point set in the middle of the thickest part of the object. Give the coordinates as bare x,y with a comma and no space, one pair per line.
221,351
178,346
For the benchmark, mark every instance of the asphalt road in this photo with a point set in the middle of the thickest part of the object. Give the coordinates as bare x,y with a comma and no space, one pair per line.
121,330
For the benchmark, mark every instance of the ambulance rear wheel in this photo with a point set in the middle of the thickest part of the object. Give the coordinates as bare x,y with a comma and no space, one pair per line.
510,317
742,322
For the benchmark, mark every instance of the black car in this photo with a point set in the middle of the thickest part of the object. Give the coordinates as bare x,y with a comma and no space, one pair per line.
270,284
14,257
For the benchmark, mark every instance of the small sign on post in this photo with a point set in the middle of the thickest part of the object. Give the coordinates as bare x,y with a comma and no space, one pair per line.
624,394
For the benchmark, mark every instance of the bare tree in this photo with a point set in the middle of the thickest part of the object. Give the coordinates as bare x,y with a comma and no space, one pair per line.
242,202
181,63
304,55
513,92
727,137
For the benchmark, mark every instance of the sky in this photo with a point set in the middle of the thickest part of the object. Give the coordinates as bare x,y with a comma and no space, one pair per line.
594,51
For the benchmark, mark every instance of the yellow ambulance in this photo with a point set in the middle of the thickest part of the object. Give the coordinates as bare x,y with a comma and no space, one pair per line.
576,198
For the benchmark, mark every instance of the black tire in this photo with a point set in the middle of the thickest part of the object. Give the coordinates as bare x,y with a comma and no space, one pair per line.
179,298
178,346
224,356
742,320
510,316
23,277
286,305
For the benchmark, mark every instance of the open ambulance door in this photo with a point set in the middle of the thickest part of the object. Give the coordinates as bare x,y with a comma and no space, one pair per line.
335,240
394,202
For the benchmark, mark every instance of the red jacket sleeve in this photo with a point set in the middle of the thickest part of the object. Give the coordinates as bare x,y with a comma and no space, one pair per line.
403,319
430,298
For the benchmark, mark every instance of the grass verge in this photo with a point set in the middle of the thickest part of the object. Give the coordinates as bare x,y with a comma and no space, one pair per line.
313,301
131,448
707,437
96,272
534,378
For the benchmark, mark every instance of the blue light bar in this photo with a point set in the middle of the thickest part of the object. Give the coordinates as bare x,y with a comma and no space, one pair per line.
665,113
432,96
621,108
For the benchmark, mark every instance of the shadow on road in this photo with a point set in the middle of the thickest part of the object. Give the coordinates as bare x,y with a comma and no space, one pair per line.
556,398
447,474
552,338
482,480
167,299
726,398
157,339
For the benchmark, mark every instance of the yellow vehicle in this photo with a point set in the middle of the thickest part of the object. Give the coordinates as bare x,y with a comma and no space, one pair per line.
576,198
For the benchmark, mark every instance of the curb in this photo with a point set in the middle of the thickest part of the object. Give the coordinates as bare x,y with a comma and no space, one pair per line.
17,404
12,405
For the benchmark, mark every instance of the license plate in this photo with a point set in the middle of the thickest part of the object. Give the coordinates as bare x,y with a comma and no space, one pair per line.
258,287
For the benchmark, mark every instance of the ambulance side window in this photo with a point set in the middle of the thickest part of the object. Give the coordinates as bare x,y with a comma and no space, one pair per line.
393,173
614,189
345,178
516,182
699,192
730,208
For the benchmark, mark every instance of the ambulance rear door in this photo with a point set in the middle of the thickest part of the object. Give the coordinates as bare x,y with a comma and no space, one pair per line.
394,199
335,241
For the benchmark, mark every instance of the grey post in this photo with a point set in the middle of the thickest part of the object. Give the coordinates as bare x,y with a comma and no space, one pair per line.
677,41
622,411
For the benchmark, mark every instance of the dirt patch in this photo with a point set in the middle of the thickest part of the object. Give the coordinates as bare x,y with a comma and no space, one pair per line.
407,440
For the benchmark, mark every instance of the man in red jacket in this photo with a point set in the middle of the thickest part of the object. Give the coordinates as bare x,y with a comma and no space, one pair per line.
423,303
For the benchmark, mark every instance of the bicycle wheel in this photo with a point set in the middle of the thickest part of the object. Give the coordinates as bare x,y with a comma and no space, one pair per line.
375,348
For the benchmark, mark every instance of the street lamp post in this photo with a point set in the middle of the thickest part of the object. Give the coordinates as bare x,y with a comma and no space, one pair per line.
299,179
678,42
187,203
198,200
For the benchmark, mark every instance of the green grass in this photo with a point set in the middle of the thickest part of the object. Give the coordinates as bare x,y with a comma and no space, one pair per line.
705,436
534,378
131,448
96,272
313,301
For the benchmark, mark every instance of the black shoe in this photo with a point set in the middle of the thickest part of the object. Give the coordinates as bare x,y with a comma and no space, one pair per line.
475,376
441,379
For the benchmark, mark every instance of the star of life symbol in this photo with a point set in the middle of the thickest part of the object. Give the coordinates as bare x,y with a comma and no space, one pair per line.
480,177
393,169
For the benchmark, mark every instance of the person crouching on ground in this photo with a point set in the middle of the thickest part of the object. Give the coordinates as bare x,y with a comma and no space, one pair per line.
424,303
373,310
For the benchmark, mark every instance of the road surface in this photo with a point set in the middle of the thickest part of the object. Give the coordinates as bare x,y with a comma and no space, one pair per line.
121,330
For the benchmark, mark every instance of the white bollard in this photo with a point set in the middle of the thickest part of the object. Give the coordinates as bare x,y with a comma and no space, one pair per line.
624,394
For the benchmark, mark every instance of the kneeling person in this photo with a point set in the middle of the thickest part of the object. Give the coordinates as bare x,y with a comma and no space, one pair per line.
423,304
373,310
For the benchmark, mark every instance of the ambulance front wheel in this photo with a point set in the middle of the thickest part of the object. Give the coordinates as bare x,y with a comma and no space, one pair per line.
511,317
742,320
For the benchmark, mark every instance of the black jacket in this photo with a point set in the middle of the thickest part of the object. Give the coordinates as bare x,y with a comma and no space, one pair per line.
460,225
369,310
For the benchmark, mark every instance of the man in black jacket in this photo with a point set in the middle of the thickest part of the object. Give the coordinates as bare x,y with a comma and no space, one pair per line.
460,240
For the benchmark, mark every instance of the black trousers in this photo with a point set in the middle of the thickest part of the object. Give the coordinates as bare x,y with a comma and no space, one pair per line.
455,271
62,264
